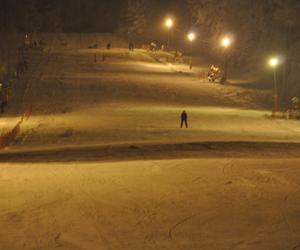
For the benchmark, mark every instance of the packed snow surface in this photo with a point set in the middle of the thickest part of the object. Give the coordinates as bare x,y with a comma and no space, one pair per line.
103,164
151,204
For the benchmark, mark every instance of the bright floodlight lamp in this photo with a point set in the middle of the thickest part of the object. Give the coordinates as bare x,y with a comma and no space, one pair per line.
191,36
273,62
226,42
169,23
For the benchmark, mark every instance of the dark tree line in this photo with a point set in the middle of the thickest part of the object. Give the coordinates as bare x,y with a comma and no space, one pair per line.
128,16
257,25
250,19
60,15
261,28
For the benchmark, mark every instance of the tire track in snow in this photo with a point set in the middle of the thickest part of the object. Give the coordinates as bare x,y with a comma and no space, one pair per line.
296,247
179,223
88,200
105,237
285,202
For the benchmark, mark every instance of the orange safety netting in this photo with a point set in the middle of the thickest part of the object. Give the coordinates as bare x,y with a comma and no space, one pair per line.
7,138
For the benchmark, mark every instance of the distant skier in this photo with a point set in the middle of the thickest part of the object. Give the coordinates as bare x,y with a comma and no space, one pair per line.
184,119
153,46
131,46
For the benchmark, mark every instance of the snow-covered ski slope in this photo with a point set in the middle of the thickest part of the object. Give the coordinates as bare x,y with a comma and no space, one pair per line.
103,165
98,97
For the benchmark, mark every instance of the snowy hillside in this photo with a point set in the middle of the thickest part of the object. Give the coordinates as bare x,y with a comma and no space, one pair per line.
99,97
103,164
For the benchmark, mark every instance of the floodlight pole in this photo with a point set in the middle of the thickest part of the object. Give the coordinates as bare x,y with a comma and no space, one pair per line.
275,94
226,43
225,64
191,57
169,37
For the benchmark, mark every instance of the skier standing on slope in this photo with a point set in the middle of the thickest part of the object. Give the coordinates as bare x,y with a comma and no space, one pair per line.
184,119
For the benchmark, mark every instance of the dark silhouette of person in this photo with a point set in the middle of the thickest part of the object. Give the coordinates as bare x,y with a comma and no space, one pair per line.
184,119
131,46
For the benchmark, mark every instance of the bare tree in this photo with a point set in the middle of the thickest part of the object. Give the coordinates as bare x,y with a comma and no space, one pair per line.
133,17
